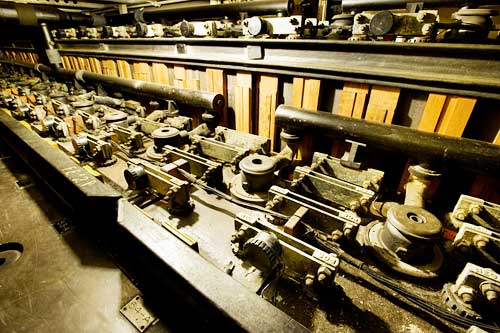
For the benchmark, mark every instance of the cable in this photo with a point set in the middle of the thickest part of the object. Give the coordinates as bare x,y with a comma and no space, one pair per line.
414,299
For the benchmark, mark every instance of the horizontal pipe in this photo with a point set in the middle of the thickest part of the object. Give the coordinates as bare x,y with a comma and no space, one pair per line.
392,4
206,100
202,99
188,11
28,14
478,156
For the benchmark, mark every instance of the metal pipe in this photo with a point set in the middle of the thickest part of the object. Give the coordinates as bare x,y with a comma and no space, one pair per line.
202,99
392,4
188,11
479,156
28,14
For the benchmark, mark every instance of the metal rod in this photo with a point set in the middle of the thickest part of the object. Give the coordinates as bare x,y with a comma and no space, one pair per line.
479,156
28,14
391,4
188,11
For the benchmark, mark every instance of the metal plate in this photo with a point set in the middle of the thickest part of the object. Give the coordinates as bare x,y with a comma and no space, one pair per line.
137,313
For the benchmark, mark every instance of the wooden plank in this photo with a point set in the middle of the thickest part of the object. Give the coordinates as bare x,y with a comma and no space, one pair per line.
217,83
297,91
382,104
193,79
432,112
96,65
309,100
141,71
124,69
312,89
109,68
268,91
243,102
180,76
160,73
457,111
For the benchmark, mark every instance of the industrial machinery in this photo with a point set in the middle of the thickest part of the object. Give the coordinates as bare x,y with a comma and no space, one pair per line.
237,207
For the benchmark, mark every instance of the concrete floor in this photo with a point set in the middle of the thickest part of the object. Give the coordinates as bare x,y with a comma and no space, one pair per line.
63,282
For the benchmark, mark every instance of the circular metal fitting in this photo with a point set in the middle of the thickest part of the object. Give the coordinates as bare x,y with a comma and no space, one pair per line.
342,20
79,143
59,95
256,26
405,241
136,178
262,250
186,28
166,136
117,118
381,23
257,172
84,106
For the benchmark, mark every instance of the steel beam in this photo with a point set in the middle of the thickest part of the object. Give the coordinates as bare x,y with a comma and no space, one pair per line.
462,69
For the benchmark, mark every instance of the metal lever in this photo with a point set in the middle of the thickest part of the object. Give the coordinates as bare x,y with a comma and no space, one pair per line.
348,159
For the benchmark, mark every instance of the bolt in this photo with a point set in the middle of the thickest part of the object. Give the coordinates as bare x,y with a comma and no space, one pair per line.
467,298
460,214
354,205
480,242
324,273
309,280
364,202
336,234
475,209
366,183
491,296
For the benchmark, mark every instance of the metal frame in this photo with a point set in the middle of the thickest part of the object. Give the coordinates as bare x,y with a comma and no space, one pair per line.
193,291
463,69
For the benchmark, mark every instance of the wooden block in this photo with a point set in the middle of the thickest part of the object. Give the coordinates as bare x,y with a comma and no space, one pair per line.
124,69
382,104
353,100
180,77
310,99
141,71
457,111
297,91
243,102
160,73
95,65
217,83
268,90
109,68
312,90
65,62
432,112
193,79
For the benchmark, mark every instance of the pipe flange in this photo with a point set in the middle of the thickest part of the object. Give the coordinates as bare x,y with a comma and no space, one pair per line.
257,172
425,270
165,136
405,242
237,191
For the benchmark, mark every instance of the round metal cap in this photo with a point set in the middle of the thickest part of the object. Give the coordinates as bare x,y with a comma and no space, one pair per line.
165,133
381,23
257,164
256,26
415,222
